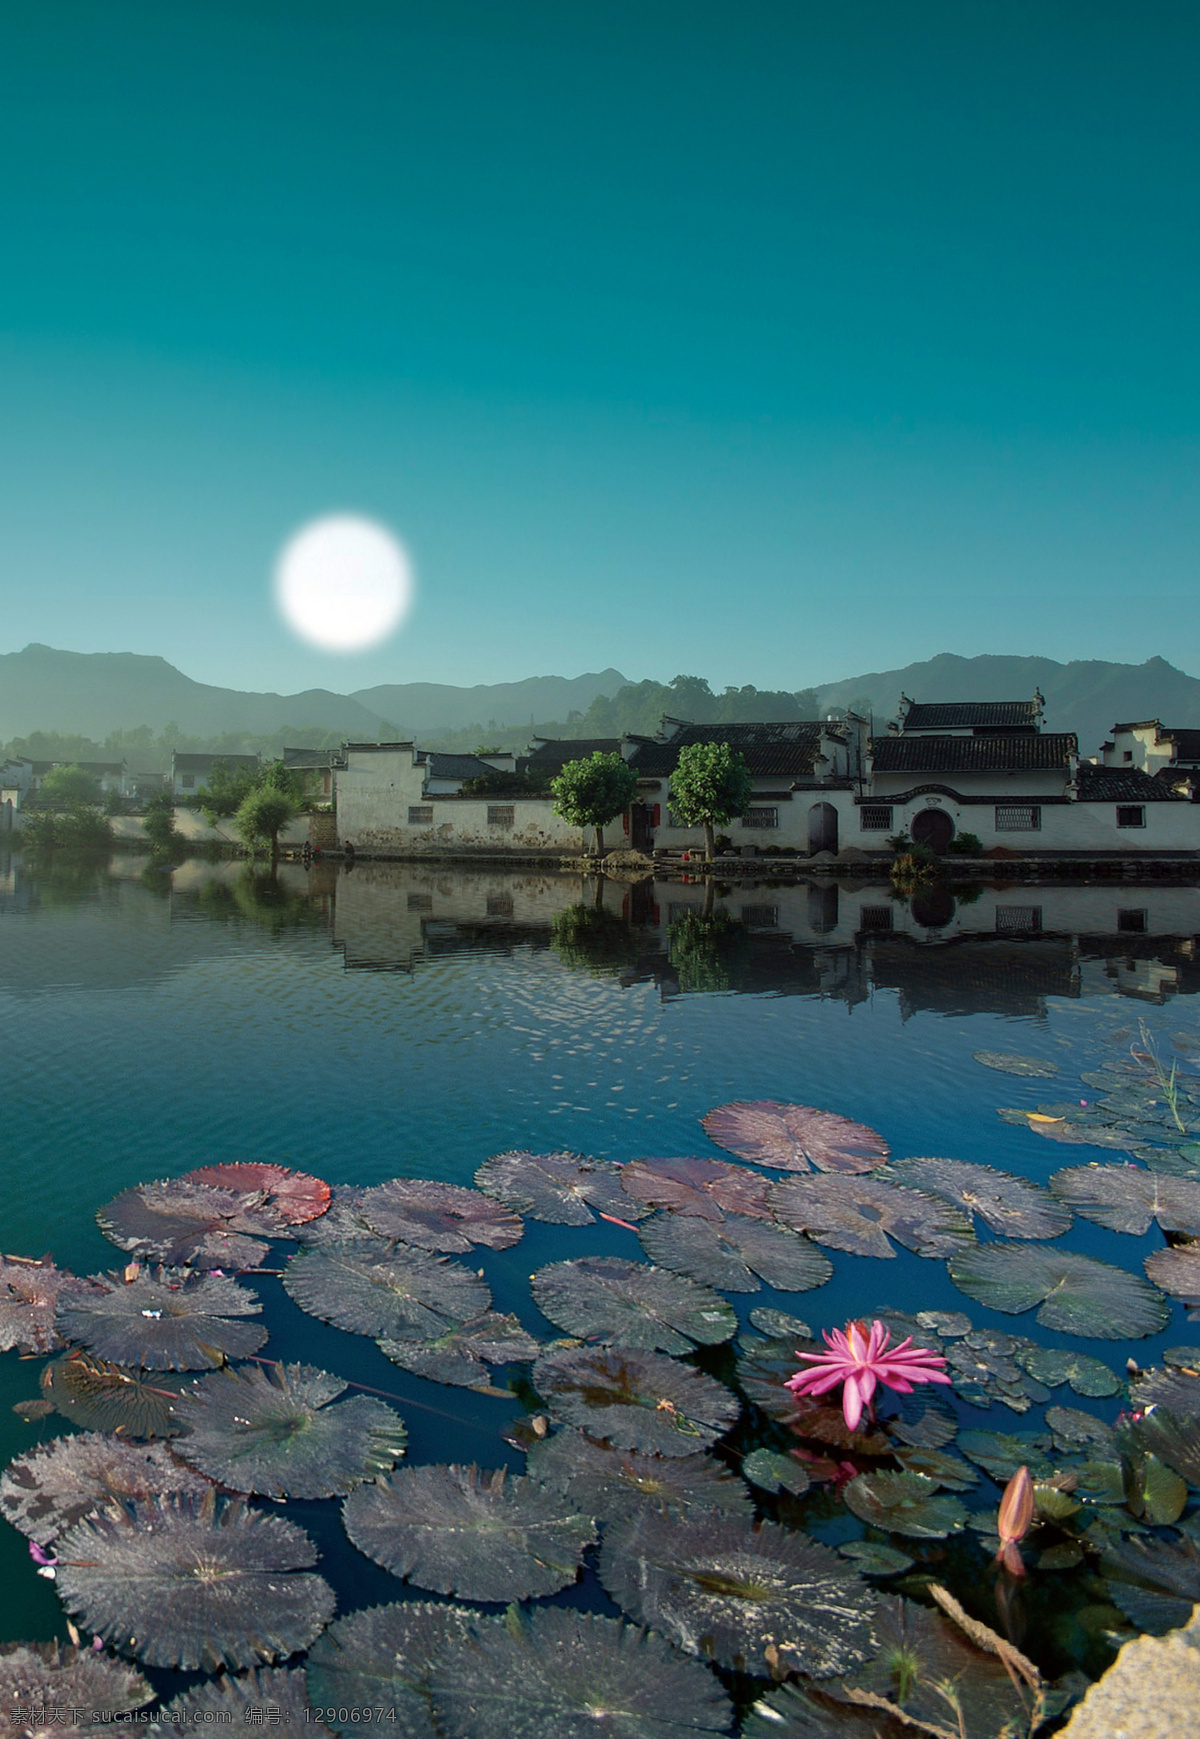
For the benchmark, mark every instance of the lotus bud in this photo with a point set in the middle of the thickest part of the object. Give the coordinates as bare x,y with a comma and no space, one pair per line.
1016,1516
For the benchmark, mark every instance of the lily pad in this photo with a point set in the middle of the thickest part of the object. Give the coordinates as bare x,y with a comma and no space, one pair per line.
1072,1429
779,1324
463,1531
632,1303
1010,1205
561,1189
281,1430
190,1582
1170,1571
49,1676
608,1483
1176,1270
1126,1199
1083,1134
292,1197
341,1223
180,1221
862,1215
461,1355
383,1658
398,1294
771,1471
873,1558
280,1690
439,1216
806,1712
169,1320
734,1252
1175,1442
1009,1063
905,1503
1076,1294
1001,1453
709,1188
100,1396
634,1399
1054,1366
574,1675
51,1488
734,1591
950,1471
30,1294
795,1137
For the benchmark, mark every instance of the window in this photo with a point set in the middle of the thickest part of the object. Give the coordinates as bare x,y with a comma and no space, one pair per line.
420,815
876,917
1132,918
875,818
1018,817
189,781
1131,815
761,917
420,902
1127,756
500,814
499,906
1018,918
761,818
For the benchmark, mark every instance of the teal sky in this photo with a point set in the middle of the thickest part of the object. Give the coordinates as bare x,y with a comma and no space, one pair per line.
770,341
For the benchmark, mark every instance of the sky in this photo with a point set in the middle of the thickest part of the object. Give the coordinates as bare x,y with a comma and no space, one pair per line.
770,342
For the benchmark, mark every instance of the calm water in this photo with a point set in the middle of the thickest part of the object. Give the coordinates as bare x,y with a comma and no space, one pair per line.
397,1020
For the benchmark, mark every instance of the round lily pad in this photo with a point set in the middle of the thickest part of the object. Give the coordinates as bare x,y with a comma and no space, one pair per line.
462,1354
632,1303
169,1320
382,1658
190,1582
905,1503
1009,1063
397,1294
725,1588
1177,1270
180,1221
51,1488
1001,1453
289,1197
279,1692
873,1558
1076,1294
950,1471
99,1396
862,1215
480,1535
51,1677
1010,1205
634,1399
1056,1365
709,1188
1126,1199
609,1483
779,1324
30,1294
561,1189
735,1252
574,1674
771,1471
795,1137
439,1216
282,1430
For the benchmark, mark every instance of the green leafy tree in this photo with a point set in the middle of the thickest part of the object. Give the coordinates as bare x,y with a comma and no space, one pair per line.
591,792
81,829
159,824
710,785
261,817
226,790
68,787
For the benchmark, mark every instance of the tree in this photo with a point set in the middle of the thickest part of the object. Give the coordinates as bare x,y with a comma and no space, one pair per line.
68,787
710,785
590,792
159,824
262,815
226,790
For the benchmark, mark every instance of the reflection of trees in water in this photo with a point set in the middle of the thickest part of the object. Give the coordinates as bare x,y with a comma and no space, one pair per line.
706,951
70,878
592,939
259,896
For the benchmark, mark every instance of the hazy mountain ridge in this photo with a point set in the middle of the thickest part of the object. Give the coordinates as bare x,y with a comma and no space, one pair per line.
97,693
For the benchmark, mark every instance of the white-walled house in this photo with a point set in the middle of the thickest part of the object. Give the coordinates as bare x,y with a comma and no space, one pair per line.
191,773
1169,753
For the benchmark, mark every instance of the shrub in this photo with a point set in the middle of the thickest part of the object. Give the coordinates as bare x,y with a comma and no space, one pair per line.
967,845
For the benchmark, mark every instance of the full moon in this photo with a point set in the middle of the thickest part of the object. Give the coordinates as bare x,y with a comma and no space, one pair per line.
343,583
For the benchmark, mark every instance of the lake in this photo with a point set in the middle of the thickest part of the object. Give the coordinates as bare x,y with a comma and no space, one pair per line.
412,1020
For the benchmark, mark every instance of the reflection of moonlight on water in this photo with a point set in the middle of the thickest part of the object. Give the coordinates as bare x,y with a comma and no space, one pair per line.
343,583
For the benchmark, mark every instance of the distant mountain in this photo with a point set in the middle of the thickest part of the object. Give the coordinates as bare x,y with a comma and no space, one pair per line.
93,693
420,708
1087,696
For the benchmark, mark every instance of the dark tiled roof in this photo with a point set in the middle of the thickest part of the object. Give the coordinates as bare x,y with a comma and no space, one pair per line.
301,758
205,763
98,768
1187,744
551,754
768,750
958,715
1122,785
905,754
441,765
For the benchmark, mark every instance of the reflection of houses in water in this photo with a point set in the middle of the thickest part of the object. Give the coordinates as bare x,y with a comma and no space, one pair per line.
1001,949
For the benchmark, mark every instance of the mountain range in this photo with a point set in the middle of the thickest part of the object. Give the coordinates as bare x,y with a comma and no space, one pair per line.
95,693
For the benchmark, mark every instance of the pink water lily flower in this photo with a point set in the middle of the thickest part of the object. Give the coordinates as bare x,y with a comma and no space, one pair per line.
859,1359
